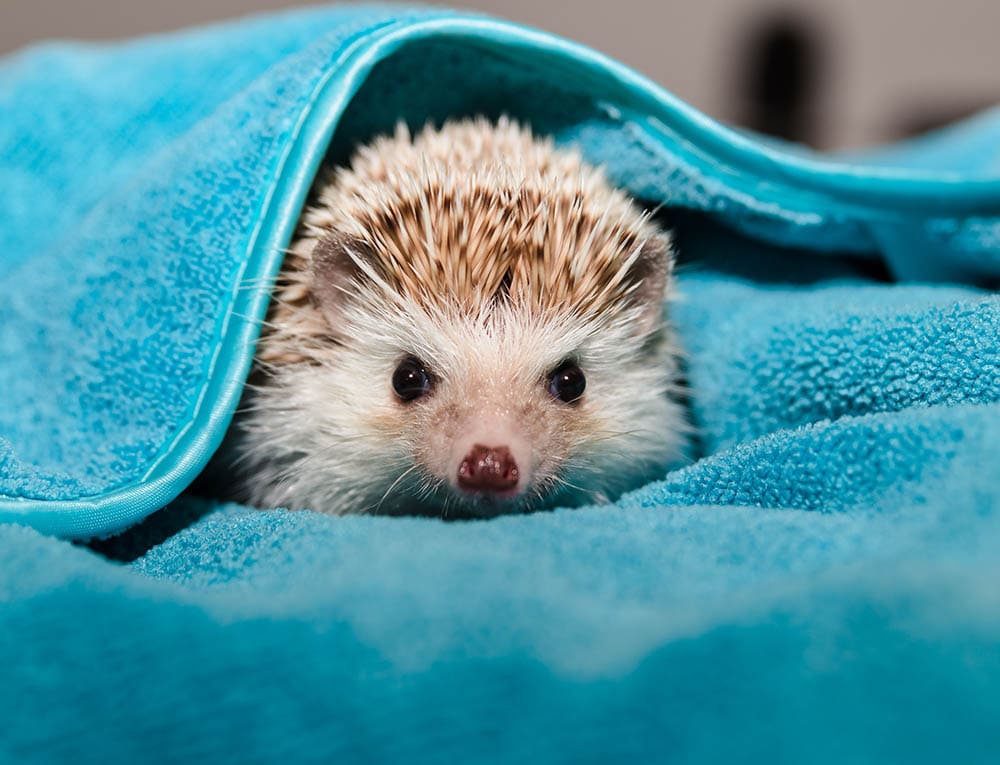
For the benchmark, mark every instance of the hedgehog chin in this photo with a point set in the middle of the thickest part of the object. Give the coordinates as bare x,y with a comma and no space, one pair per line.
484,507
452,503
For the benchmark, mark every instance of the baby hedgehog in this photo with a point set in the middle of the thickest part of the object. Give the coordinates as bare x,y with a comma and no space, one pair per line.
469,323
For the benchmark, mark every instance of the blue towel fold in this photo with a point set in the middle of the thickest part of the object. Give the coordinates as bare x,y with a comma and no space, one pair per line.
818,584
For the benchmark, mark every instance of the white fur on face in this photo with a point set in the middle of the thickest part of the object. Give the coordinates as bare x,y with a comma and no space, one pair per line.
333,437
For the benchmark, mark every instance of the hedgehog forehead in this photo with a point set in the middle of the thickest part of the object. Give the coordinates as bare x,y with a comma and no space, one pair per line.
508,342
477,242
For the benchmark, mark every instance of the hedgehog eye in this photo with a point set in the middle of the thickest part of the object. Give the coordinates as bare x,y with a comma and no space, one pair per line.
411,380
567,382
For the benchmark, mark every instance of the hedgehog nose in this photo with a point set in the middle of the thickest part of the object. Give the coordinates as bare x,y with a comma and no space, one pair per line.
488,469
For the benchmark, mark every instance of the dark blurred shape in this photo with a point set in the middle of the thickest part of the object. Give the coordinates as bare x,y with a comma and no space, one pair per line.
781,77
921,118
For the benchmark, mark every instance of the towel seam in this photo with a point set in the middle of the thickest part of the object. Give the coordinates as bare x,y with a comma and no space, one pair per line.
219,341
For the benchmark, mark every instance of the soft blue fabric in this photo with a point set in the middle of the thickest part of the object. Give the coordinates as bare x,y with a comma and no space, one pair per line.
819,584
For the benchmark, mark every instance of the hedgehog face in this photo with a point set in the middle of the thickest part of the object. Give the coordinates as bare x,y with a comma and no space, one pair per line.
410,408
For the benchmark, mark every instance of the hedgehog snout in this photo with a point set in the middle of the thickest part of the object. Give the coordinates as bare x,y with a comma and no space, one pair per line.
493,460
491,469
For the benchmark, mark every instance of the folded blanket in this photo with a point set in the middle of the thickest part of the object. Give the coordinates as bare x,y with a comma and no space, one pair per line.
817,584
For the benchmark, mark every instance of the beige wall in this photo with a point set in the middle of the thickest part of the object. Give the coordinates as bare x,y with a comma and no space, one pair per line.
888,56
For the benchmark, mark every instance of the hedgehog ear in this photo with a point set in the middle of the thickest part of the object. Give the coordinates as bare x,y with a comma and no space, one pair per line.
337,267
651,273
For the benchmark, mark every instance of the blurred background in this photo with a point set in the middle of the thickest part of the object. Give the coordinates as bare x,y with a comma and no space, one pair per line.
829,73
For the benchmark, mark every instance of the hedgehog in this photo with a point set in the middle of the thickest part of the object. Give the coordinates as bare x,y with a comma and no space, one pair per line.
469,321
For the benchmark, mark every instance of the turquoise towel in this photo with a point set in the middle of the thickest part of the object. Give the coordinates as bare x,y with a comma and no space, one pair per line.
818,584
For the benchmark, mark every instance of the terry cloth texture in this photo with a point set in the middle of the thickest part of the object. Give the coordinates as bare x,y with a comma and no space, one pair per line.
819,584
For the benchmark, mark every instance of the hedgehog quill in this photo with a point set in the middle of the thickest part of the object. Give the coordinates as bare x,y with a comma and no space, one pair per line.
470,322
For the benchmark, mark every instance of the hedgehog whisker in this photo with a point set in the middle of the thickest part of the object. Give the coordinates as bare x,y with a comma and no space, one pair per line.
261,322
393,486
565,482
257,283
609,435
